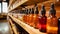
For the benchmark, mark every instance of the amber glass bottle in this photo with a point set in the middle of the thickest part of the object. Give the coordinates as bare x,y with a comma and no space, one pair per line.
35,17
42,20
31,17
52,22
25,16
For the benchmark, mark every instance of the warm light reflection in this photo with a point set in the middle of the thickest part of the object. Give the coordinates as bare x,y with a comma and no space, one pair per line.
52,28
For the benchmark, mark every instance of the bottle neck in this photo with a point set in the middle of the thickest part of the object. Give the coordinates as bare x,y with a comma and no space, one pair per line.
43,15
36,11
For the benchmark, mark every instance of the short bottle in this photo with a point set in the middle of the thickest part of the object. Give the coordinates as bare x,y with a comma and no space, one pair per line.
52,22
42,20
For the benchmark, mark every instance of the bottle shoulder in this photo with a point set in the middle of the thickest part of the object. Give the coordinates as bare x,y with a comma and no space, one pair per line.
42,17
52,17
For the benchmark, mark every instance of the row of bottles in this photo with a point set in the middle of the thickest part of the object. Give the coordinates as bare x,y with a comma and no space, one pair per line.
41,21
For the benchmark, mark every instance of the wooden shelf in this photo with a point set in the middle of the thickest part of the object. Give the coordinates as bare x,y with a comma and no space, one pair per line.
25,26
29,2
23,3
17,4
11,2
13,27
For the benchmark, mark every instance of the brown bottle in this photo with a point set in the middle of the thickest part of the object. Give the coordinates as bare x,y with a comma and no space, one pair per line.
31,17
35,17
52,22
25,16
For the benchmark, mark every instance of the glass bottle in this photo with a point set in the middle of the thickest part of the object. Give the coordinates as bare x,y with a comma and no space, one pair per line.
52,22
27,14
35,17
31,17
42,20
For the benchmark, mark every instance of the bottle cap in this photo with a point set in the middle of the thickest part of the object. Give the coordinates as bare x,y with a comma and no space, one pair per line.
32,10
36,10
52,10
26,11
43,11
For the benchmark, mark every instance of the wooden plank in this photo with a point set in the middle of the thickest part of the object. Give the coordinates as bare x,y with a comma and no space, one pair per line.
17,4
13,27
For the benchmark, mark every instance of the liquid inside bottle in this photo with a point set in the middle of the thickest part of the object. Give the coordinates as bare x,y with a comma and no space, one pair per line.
52,22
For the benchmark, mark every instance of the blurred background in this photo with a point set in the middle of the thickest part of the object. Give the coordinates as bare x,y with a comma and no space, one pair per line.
4,25
14,6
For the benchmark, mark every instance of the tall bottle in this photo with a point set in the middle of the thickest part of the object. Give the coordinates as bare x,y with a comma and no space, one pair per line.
31,16
35,17
27,12
58,25
42,20
52,22
25,16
